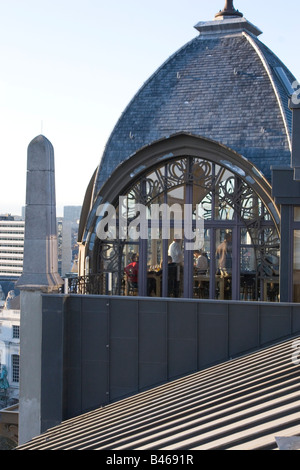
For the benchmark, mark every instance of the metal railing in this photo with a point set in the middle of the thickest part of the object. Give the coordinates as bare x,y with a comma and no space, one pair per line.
93,284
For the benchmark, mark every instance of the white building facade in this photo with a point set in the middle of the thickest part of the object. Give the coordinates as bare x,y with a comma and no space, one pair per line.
11,247
10,353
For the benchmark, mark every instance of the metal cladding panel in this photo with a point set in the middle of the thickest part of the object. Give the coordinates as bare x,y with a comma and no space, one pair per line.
98,350
52,362
275,322
123,348
182,338
94,330
72,369
295,318
243,328
153,359
94,353
212,333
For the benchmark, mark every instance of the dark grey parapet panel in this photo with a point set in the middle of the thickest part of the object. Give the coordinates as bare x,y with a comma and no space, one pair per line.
97,350
285,189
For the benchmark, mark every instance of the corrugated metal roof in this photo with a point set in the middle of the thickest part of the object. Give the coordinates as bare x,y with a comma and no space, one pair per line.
241,404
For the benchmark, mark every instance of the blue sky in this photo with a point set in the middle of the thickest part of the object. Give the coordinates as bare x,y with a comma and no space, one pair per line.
70,67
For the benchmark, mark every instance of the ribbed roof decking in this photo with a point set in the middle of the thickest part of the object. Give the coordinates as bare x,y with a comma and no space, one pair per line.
241,404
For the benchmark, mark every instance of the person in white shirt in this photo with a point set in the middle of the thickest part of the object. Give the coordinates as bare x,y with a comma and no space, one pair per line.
175,251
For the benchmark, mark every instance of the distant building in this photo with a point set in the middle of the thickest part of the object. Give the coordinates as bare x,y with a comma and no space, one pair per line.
72,213
67,232
11,247
10,349
12,230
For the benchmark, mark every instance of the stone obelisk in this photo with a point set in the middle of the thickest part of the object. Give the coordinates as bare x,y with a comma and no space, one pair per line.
40,275
40,263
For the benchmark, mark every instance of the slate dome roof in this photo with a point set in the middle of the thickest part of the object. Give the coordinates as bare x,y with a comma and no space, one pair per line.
225,85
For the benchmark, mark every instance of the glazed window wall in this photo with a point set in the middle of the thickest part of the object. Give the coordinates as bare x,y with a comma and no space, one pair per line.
236,256
296,273
296,256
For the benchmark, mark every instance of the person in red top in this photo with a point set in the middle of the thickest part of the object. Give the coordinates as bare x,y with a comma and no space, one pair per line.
132,271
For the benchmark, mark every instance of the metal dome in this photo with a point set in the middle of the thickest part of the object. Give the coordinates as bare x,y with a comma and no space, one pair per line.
225,85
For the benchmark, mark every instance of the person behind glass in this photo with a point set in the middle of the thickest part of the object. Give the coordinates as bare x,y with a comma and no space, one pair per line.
132,271
201,262
173,282
175,268
175,250
172,274
224,255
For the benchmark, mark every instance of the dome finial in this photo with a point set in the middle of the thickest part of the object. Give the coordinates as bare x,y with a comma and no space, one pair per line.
229,10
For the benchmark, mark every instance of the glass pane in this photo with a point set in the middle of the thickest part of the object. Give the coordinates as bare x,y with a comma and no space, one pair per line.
268,265
250,204
201,276
133,199
248,271
176,199
225,189
176,172
154,186
297,214
223,264
130,261
296,273
226,203
202,187
175,265
154,267
111,277
207,206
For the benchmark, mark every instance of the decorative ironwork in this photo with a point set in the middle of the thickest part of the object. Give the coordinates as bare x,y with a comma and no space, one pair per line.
228,202
91,284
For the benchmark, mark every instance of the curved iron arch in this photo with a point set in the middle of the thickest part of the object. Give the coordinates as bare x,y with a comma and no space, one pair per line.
178,145
166,153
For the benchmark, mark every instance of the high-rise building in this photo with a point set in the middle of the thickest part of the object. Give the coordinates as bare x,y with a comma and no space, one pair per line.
67,232
11,247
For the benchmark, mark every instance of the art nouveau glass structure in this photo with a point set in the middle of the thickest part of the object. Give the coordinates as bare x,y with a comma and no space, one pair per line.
201,136
212,206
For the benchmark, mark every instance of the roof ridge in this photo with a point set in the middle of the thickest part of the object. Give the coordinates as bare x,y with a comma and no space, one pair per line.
267,67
